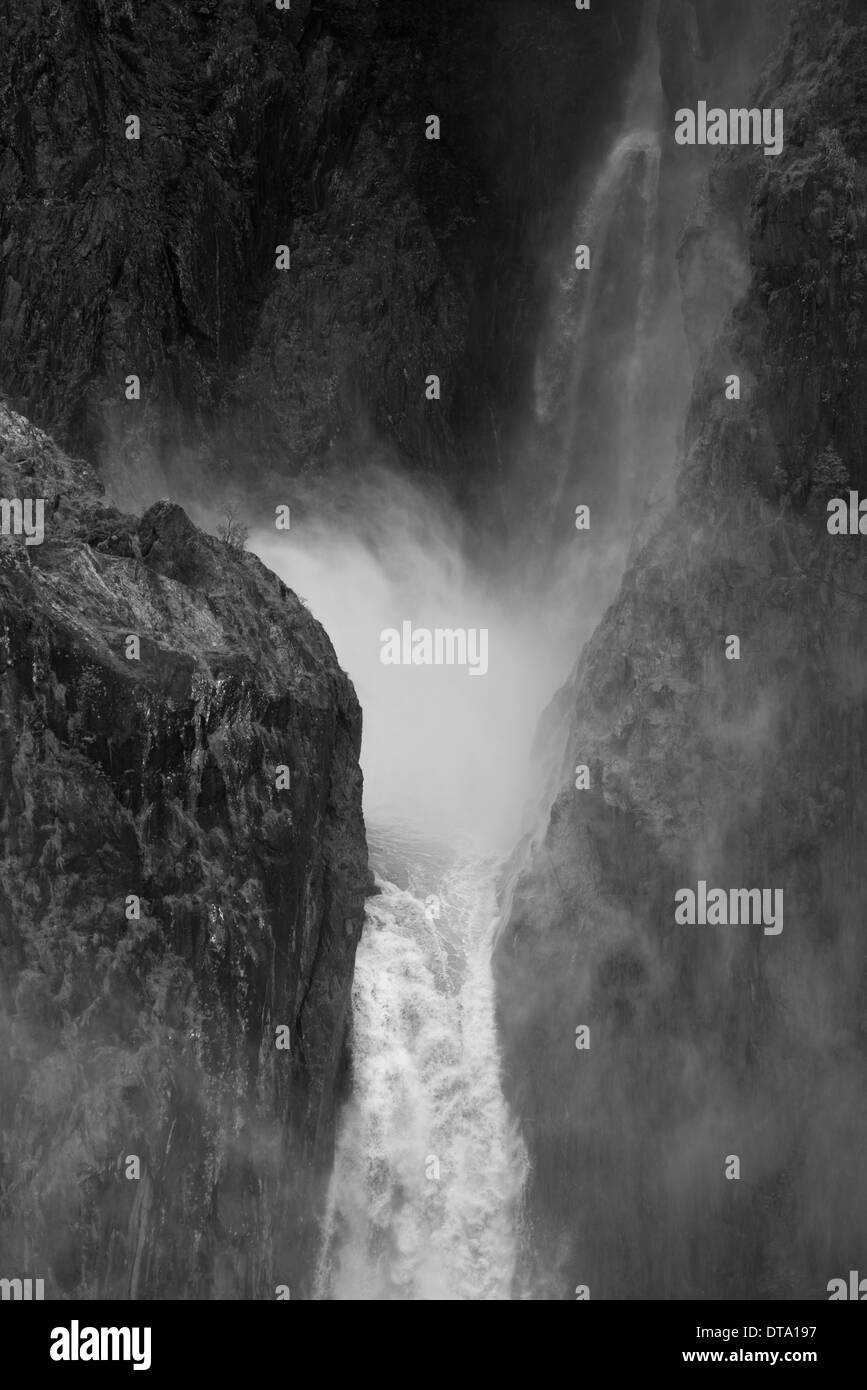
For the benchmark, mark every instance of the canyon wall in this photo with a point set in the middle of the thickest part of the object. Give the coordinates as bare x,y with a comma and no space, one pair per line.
714,1042
165,907
303,128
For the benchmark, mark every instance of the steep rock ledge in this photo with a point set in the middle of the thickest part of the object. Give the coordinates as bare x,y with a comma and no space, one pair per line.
157,1037
715,1041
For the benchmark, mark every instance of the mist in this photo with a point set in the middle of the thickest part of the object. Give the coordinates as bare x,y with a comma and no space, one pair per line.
443,753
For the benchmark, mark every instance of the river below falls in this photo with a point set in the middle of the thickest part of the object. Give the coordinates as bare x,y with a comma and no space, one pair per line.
425,1196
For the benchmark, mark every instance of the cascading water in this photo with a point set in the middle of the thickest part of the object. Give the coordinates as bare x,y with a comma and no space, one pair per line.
427,1181
596,364
424,1198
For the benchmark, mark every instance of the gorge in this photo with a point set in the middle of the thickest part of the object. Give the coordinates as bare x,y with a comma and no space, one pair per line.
512,1073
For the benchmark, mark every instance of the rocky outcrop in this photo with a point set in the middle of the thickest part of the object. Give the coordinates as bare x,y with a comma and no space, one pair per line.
166,906
306,128
713,1042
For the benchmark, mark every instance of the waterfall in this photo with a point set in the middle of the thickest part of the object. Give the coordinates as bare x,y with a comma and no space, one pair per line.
424,1201
595,365
425,1194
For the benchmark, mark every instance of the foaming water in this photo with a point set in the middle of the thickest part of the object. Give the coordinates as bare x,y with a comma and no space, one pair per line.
425,1196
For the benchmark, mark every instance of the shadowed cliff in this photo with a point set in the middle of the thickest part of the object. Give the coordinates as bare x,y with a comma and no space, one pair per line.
712,1041
153,1032
303,128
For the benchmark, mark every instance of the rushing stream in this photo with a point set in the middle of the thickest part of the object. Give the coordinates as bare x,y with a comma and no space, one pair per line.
425,1196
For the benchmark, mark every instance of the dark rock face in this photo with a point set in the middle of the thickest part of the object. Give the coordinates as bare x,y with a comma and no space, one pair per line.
305,128
156,1035
712,1041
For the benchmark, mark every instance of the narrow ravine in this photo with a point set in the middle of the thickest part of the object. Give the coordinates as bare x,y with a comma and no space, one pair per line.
425,1197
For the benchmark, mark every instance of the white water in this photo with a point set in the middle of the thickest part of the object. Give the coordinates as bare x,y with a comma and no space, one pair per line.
427,1182
425,1192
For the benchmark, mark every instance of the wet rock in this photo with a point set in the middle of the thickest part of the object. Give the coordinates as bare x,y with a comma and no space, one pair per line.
164,909
710,1041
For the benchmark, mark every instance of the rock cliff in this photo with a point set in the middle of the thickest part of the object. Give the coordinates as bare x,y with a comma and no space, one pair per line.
306,128
708,1042
165,907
